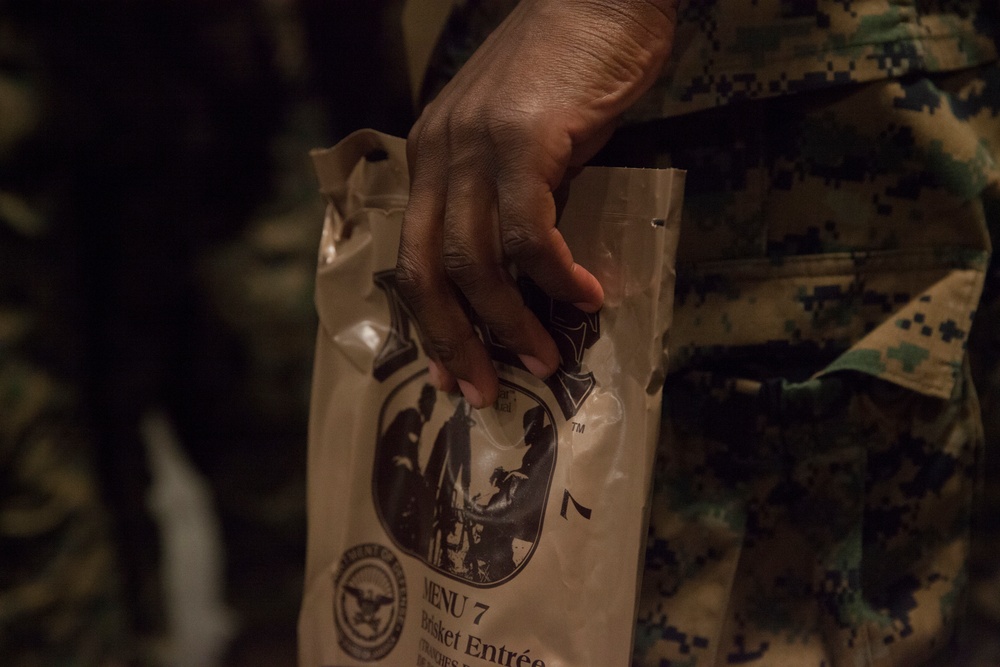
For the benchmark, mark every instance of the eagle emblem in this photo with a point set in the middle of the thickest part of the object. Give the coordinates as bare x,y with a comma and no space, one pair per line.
369,603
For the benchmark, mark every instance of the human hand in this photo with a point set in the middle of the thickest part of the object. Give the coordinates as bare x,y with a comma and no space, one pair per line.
540,96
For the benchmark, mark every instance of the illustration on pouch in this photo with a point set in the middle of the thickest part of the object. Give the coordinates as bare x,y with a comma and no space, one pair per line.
468,507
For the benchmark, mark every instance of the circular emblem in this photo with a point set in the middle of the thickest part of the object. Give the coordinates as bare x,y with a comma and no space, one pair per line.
369,604
461,490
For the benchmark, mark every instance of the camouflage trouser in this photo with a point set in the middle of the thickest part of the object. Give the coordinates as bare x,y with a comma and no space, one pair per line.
822,441
60,602
60,594
60,598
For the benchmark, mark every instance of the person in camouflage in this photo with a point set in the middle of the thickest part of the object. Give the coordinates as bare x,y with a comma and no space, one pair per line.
861,435
150,260
60,594
822,444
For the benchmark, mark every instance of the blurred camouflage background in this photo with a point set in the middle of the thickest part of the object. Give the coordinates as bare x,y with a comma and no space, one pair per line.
158,231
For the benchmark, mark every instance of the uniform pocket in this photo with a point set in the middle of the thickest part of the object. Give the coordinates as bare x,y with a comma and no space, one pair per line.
903,316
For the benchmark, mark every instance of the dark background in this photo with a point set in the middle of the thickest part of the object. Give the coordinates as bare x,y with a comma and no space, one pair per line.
170,152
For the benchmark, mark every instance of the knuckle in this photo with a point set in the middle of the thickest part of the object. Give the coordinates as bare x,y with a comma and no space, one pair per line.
446,348
429,133
508,134
509,320
507,330
458,256
461,267
520,242
466,130
414,134
411,282
464,119
502,122
497,125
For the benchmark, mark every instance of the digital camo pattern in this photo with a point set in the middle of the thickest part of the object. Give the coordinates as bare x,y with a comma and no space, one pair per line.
984,350
853,224
732,50
823,522
822,441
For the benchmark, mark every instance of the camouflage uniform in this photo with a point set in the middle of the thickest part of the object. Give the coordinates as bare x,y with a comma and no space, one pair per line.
60,598
822,441
820,399
147,262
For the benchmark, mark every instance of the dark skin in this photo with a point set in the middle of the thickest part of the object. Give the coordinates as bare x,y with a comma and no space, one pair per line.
539,98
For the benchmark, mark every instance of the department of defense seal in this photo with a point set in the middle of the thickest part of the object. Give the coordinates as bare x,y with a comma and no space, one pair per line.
369,601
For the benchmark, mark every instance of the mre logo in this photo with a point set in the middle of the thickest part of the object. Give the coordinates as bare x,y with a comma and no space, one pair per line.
369,604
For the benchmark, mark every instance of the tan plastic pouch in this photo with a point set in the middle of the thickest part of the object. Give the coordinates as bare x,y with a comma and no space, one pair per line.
443,535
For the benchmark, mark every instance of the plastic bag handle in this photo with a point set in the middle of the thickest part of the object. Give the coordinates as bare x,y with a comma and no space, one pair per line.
334,165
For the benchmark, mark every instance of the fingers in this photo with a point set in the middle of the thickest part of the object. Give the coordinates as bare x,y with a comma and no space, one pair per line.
533,243
456,352
449,256
541,95
474,262
466,222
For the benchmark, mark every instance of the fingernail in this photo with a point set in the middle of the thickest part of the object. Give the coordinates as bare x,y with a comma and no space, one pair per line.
535,366
435,375
472,395
587,307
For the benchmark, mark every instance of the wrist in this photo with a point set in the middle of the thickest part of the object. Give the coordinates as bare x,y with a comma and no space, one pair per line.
650,12
649,22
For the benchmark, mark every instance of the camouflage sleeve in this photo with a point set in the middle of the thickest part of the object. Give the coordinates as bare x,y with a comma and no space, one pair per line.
738,50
